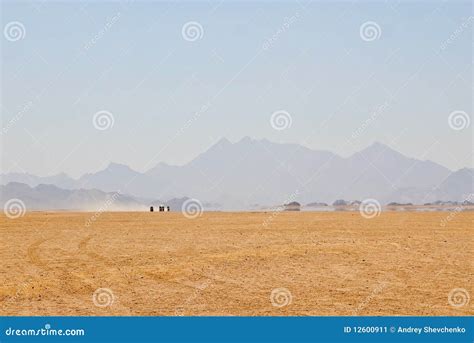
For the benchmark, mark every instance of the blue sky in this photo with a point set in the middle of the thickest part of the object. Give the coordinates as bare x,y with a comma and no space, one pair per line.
251,59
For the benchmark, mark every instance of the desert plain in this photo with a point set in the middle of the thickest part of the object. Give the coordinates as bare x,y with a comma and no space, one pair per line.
236,264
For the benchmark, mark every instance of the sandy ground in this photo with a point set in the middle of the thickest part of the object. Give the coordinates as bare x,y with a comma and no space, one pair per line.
303,263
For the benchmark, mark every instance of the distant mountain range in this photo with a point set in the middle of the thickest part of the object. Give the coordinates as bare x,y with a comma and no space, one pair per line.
50,197
252,173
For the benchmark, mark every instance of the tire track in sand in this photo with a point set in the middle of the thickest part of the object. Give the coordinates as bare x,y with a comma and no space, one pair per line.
68,282
177,276
83,248
70,285
33,254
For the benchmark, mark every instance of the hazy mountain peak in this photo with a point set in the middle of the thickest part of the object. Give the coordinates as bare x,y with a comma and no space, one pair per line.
377,146
223,142
118,167
377,149
47,187
158,167
246,139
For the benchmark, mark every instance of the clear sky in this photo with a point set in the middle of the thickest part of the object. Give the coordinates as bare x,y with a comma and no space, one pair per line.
344,82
